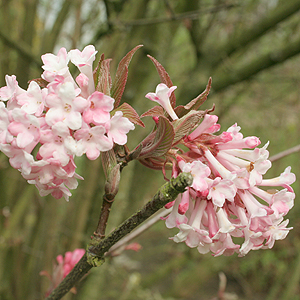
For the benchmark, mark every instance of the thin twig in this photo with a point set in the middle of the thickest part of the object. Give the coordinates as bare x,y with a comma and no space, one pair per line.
104,214
114,160
285,153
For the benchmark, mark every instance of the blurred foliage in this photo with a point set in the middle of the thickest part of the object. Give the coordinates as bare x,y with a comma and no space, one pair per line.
250,48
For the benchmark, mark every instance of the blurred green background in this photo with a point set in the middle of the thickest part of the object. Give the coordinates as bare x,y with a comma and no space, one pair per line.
250,48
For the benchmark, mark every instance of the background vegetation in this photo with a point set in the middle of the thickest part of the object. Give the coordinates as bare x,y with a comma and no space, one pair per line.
249,47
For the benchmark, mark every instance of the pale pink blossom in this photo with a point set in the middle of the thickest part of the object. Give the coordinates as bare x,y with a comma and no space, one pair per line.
174,219
92,141
192,233
83,83
84,62
55,65
54,179
221,190
99,109
83,58
25,128
162,96
9,91
254,161
33,100
5,135
278,231
118,127
65,106
18,158
208,125
199,171
56,145
285,179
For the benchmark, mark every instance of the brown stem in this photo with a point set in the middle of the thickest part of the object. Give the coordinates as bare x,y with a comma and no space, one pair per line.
104,214
121,157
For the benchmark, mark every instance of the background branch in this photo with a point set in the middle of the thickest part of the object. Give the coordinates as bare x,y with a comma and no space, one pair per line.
23,49
285,153
241,38
191,15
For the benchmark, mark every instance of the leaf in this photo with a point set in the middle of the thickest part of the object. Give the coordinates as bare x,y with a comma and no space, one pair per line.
134,154
119,83
104,78
186,124
130,113
41,82
158,142
195,103
96,72
156,111
156,163
164,77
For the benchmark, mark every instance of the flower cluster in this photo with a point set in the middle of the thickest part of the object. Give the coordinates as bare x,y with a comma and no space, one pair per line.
57,118
63,267
228,199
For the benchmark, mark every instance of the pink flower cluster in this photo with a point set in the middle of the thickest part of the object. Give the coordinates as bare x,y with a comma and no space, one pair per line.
67,263
63,268
228,199
43,128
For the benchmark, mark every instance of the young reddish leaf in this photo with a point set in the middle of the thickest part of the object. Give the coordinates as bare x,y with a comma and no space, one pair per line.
156,111
164,77
119,83
41,82
130,113
186,124
104,79
158,142
134,154
156,163
195,103
96,72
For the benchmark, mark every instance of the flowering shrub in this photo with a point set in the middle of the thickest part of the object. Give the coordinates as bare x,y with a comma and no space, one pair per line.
229,207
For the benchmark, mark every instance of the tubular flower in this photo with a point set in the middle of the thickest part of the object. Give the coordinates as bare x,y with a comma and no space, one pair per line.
62,267
60,120
227,199
162,96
